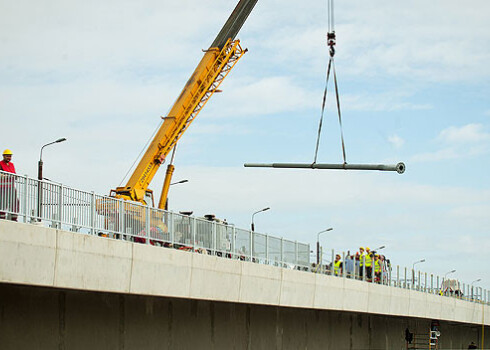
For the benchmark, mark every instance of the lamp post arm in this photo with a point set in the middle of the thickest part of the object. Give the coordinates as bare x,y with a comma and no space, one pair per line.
41,153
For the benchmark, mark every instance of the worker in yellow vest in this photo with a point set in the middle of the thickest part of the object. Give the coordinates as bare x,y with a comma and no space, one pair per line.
377,267
337,265
368,261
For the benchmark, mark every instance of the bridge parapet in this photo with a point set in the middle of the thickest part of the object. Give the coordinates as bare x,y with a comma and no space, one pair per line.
39,256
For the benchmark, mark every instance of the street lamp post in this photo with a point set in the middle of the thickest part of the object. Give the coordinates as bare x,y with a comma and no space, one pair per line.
379,248
175,183
417,262
475,281
40,177
318,244
444,286
448,273
413,270
253,226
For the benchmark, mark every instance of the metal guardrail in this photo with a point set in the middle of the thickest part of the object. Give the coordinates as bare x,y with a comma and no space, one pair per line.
45,203
58,206
394,276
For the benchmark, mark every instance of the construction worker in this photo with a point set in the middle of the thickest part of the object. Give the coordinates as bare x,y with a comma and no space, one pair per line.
337,265
362,257
377,267
8,194
368,261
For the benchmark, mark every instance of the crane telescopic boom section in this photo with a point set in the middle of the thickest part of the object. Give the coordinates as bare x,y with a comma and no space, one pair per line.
215,65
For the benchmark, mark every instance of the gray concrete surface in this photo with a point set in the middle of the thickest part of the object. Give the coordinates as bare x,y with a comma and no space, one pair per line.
47,318
39,256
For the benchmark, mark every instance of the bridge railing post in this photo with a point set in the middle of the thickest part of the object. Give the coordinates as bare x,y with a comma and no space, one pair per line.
405,280
398,276
92,213
373,273
296,253
382,276
233,243
267,249
171,227
214,237
343,264
147,223
24,199
282,252
193,228
332,265
364,268
121,216
389,274
60,206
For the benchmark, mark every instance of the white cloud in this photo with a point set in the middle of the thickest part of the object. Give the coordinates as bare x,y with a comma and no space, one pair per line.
378,102
396,141
467,141
415,41
470,133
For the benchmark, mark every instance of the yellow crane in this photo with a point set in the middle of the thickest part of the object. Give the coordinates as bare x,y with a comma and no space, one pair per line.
214,66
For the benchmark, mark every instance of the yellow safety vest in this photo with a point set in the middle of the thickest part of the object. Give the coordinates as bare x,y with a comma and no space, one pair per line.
336,269
369,260
361,259
377,266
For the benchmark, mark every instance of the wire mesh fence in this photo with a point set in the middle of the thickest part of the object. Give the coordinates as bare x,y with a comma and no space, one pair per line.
61,207
58,206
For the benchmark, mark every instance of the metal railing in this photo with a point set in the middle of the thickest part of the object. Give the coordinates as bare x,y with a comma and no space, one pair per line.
51,204
405,278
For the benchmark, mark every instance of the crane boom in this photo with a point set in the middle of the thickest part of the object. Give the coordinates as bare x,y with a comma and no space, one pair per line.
214,66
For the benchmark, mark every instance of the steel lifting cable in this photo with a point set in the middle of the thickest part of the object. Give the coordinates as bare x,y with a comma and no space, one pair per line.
331,41
142,150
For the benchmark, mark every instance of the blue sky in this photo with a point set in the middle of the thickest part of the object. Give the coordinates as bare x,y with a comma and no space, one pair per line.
414,84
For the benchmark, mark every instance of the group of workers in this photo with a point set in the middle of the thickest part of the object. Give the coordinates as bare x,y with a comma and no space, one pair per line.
363,262
9,202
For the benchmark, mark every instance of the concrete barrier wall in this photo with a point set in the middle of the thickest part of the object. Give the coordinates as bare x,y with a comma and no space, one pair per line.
39,256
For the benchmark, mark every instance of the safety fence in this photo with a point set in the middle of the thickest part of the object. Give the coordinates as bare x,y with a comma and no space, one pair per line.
45,203
51,204
384,273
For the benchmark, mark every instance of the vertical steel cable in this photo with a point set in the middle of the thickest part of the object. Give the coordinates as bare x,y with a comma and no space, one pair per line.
331,66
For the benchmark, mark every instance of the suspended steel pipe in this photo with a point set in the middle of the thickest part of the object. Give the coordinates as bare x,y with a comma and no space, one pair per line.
399,168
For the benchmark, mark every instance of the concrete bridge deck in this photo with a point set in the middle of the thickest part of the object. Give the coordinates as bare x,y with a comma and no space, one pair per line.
32,257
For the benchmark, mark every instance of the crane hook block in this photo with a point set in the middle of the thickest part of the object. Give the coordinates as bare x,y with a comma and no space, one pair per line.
399,168
331,38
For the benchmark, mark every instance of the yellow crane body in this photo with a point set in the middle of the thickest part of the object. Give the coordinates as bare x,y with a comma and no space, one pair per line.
209,74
